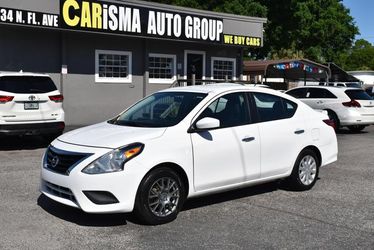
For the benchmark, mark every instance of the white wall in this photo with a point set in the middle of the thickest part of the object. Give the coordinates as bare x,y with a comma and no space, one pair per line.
366,77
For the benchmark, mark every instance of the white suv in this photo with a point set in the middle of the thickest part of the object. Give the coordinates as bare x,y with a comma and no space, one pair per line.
350,107
342,84
30,104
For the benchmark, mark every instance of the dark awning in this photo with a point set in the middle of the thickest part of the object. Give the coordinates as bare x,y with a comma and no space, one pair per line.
340,75
295,69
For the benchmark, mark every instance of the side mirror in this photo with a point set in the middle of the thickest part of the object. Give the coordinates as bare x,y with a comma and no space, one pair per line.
207,123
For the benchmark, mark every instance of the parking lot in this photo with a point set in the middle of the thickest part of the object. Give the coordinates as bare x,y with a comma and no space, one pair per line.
338,213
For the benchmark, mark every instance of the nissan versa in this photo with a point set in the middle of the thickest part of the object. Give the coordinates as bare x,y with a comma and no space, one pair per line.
185,142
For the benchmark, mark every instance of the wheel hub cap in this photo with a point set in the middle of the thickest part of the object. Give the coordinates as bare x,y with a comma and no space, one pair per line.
307,170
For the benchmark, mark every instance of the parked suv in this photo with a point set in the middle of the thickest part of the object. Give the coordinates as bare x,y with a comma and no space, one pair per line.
370,91
342,84
30,104
347,107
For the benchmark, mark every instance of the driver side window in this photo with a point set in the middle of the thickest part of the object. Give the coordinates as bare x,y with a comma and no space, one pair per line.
231,110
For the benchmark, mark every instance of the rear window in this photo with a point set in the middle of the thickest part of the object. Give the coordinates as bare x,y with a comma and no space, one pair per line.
27,84
358,95
271,108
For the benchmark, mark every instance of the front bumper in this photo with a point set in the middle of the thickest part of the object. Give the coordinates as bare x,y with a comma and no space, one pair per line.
72,189
45,128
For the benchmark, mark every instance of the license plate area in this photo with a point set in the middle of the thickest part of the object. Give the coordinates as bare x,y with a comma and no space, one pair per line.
31,106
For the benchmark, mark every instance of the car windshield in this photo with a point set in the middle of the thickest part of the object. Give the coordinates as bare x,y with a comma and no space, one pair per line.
27,84
358,95
164,109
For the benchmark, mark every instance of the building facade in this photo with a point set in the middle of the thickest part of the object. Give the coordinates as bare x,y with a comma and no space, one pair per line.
104,56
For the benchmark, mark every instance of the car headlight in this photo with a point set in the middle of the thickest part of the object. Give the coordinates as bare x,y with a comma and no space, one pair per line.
115,160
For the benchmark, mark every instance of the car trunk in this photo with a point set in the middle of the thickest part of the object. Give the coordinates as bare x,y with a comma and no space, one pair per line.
366,102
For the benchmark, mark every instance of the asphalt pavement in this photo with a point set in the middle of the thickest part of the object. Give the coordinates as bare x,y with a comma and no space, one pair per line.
338,213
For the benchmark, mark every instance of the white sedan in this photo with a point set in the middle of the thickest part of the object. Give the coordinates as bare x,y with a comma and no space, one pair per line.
185,142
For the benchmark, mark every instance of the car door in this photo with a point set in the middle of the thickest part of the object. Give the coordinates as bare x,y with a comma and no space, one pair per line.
229,154
282,132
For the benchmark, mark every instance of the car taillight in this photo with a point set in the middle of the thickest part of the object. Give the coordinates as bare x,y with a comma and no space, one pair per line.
330,123
352,104
5,99
56,98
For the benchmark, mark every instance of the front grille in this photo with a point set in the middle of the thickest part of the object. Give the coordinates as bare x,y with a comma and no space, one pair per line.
59,191
62,162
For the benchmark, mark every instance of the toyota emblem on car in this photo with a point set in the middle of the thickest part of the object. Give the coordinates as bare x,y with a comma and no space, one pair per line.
32,98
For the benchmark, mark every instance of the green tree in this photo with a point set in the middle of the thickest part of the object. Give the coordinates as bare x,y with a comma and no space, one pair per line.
359,57
320,29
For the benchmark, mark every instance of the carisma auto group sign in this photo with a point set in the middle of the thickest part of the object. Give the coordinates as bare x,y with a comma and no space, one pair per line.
128,19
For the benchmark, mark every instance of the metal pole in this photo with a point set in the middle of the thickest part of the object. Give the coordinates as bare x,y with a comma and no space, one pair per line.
193,79
146,67
63,63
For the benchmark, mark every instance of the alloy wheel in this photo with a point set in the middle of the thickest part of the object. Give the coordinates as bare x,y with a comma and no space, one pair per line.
163,197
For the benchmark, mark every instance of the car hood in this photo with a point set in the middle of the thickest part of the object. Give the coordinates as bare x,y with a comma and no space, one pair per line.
107,135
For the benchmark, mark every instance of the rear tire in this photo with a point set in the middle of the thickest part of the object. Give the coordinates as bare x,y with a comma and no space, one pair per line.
305,171
356,128
160,197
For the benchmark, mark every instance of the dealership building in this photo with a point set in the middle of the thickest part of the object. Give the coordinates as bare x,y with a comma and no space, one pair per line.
106,55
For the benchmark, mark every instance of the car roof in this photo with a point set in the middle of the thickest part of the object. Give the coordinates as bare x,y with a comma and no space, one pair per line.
218,88
21,73
332,88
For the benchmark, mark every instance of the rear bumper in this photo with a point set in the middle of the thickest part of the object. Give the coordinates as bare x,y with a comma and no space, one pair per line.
353,117
45,128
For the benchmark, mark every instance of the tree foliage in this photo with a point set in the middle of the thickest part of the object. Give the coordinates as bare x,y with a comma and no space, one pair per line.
359,57
319,30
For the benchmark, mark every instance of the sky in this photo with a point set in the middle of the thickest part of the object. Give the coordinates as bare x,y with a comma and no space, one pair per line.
363,13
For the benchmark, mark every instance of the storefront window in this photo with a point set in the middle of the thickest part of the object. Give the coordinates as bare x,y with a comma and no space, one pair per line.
113,66
222,68
162,68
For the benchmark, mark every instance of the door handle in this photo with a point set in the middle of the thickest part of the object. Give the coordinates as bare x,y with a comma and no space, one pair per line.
319,102
248,139
300,131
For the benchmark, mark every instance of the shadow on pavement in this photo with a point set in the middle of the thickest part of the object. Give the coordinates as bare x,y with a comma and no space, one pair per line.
22,143
346,131
232,195
79,217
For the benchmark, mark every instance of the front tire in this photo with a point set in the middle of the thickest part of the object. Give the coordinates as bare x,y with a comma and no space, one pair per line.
305,172
160,197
